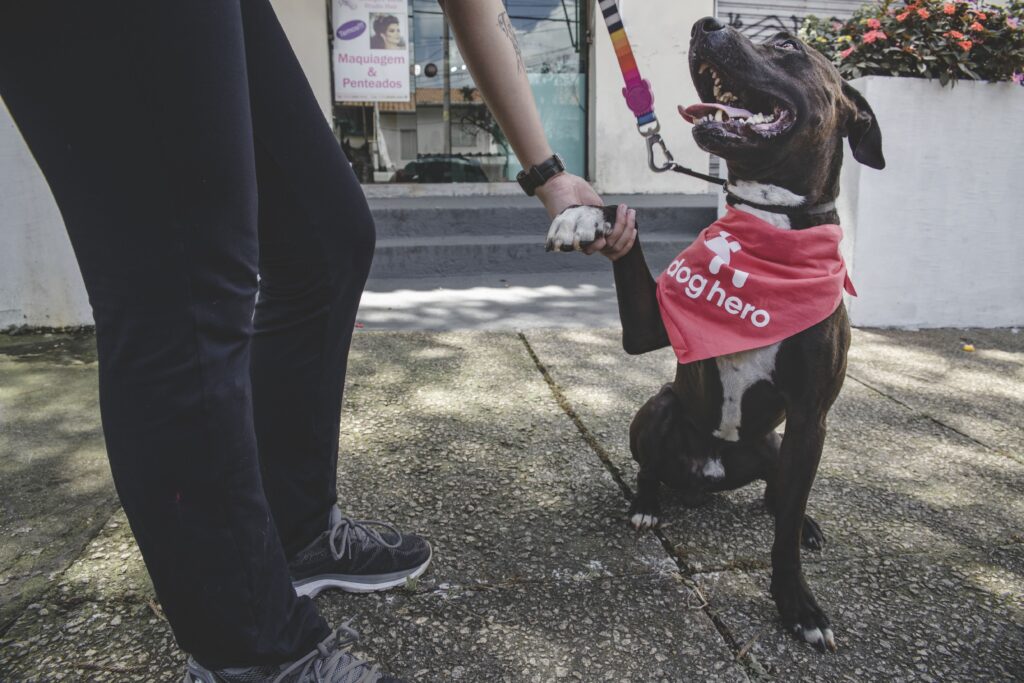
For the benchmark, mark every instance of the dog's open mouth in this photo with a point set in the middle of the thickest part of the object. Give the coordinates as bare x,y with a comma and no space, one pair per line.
733,111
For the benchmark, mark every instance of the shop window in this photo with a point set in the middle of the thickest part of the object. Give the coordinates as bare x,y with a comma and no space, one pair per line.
434,126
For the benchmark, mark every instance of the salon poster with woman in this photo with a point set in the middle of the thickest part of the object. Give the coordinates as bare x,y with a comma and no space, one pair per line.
371,50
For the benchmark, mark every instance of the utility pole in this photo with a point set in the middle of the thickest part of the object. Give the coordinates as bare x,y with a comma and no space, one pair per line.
447,111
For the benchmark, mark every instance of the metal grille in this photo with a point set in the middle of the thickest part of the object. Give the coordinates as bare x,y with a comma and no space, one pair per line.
759,20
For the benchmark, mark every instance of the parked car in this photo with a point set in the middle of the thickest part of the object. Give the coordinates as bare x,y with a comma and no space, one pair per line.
442,168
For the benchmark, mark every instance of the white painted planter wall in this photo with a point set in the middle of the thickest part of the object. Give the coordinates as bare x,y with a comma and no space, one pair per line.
935,239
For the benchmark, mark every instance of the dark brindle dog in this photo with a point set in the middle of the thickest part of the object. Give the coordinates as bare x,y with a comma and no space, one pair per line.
777,113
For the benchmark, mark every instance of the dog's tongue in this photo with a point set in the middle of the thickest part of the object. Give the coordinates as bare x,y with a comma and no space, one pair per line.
699,111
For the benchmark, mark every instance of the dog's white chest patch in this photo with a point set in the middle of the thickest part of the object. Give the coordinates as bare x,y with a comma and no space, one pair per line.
738,372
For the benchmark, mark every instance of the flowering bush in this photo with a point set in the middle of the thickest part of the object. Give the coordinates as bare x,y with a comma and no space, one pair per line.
925,39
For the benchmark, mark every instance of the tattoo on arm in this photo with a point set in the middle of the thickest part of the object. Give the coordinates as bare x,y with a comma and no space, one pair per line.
506,27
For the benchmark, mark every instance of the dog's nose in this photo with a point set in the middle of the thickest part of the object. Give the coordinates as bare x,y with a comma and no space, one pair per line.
706,25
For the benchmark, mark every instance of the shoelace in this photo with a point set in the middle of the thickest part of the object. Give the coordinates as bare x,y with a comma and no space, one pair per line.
331,661
348,529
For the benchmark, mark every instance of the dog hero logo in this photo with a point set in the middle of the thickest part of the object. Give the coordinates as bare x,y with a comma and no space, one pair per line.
696,284
723,250
350,29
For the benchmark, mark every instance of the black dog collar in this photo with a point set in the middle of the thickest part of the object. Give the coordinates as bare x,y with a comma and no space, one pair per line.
733,199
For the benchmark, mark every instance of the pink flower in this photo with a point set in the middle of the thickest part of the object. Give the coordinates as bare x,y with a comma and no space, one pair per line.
874,23
1012,22
846,53
923,13
955,34
949,8
982,16
902,17
976,27
966,45
872,36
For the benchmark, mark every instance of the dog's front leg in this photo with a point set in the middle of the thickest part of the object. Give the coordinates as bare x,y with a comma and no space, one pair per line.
577,227
642,327
798,464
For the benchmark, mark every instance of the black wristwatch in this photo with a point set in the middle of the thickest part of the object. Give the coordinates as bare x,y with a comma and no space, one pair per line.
536,176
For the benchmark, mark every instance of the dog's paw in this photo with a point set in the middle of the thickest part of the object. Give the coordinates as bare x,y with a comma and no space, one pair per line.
643,516
812,536
577,228
642,522
821,638
800,613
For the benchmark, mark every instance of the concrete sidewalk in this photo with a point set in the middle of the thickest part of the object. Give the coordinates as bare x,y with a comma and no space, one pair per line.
509,451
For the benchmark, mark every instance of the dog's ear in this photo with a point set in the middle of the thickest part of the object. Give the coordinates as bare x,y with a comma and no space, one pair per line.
863,131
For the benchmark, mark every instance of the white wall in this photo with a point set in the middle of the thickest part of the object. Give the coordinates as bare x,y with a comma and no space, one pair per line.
934,240
305,22
659,31
40,284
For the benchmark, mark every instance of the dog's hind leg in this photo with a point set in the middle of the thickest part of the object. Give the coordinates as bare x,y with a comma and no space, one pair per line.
656,439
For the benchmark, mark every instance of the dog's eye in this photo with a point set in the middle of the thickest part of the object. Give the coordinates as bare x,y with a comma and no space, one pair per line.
787,44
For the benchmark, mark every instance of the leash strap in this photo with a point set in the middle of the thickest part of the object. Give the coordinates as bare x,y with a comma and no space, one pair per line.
640,98
638,94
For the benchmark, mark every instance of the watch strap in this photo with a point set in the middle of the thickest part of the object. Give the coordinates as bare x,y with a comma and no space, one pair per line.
532,178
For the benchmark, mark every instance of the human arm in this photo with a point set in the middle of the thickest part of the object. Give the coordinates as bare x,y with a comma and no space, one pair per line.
488,44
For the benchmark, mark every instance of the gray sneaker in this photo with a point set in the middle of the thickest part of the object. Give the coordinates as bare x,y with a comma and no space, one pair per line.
358,557
330,662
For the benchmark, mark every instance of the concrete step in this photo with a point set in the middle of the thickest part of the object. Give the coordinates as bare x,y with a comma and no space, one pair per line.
503,215
429,237
460,255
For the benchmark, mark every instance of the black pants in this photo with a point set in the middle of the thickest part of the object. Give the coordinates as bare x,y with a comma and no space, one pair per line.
192,166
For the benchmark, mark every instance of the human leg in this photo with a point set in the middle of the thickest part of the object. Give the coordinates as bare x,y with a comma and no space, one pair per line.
140,120
316,245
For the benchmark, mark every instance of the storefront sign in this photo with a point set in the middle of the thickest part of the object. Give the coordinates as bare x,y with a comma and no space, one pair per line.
371,50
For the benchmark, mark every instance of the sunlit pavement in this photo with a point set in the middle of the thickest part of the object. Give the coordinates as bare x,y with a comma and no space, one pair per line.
506,445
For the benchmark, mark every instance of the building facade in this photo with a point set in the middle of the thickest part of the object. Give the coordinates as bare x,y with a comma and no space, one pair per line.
438,138
440,132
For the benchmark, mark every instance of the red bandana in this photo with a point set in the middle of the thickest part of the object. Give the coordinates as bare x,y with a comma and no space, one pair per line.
745,283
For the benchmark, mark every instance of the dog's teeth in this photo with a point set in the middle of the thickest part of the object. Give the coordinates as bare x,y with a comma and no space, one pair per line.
703,68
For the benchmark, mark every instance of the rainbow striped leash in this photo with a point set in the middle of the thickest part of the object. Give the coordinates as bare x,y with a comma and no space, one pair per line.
640,97
638,93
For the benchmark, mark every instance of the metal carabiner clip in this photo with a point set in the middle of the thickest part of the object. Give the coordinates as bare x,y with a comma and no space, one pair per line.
654,140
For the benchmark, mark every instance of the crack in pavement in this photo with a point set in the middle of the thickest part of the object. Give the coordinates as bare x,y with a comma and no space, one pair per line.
922,413
747,660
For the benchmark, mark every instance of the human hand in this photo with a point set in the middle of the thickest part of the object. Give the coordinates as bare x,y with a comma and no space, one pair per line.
565,190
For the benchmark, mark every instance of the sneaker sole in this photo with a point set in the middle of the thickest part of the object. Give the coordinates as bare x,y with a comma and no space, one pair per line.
313,585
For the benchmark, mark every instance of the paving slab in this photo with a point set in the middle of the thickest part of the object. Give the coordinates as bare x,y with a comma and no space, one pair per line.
99,621
634,628
980,392
897,489
490,301
55,487
891,479
535,577
913,617
523,517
